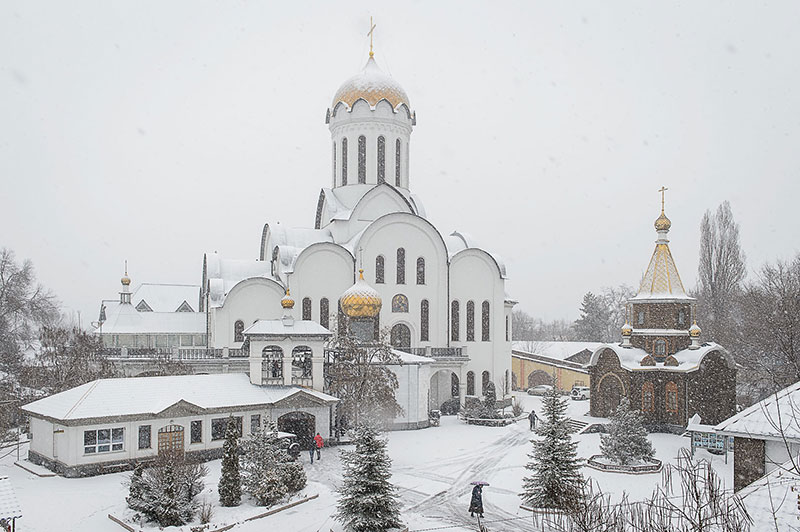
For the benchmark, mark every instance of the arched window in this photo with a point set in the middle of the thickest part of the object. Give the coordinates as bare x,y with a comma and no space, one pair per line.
647,397
453,385
379,272
470,383
238,329
397,162
401,266
470,321
274,264
420,271
301,365
399,303
484,382
272,356
641,317
400,335
660,348
507,335
324,312
681,317
454,318
341,321
671,397
344,161
424,321
307,308
381,159
485,321
362,159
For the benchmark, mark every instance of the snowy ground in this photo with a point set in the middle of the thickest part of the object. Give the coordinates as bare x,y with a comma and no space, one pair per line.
432,469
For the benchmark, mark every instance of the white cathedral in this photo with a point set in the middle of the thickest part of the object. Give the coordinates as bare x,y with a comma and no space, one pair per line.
443,296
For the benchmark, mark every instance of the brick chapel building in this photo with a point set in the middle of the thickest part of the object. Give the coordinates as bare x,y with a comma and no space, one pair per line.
661,364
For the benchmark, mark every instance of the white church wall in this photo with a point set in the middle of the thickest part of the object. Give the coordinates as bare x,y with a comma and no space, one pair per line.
249,301
321,271
412,395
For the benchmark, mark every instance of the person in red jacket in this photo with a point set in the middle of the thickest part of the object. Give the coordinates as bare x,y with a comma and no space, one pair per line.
320,443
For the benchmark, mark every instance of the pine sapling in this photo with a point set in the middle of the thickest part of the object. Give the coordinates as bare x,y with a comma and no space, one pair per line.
626,441
230,483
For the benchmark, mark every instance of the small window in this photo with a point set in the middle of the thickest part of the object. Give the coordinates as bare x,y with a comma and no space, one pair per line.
484,382
672,397
220,425
238,331
397,162
362,159
399,303
324,312
485,321
381,159
647,397
255,423
379,269
196,431
641,317
401,266
681,318
470,321
307,308
344,161
661,348
144,437
420,271
507,335
424,313
454,317
470,383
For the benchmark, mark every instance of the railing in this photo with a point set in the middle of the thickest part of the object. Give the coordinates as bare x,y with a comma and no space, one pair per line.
652,466
303,381
197,353
435,352
266,379
238,352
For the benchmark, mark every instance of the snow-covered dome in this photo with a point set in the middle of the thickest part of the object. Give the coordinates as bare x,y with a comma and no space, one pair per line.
373,85
361,300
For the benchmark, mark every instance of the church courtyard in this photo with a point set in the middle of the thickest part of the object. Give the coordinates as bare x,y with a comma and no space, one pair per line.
432,469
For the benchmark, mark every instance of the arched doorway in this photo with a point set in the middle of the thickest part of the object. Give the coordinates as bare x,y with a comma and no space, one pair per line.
609,394
170,440
443,389
535,378
301,424
400,336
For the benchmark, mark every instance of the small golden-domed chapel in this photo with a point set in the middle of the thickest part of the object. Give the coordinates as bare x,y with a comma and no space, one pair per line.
661,364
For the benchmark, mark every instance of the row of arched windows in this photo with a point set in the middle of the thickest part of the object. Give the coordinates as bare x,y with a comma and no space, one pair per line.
362,160
272,367
324,311
400,277
455,321
670,397
471,382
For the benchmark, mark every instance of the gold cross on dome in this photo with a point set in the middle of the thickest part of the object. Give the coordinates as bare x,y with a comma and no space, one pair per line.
370,32
662,190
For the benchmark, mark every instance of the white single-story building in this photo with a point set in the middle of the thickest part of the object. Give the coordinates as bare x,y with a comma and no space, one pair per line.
111,424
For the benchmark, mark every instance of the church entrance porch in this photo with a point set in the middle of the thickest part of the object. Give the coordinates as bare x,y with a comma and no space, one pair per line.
444,388
301,424
609,394
170,440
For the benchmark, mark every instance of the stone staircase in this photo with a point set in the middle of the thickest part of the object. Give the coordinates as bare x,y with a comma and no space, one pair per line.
576,426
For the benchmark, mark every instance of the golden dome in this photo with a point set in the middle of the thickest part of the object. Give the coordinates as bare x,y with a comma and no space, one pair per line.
361,300
126,281
373,85
286,301
663,223
694,330
627,330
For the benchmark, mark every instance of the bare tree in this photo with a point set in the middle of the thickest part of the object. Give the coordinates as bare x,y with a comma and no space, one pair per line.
721,270
69,357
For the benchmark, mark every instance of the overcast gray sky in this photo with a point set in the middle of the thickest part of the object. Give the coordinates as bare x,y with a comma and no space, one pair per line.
154,131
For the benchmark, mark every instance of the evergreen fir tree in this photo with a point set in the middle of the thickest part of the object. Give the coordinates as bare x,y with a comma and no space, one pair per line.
230,483
592,325
556,481
268,474
368,501
168,502
136,489
626,441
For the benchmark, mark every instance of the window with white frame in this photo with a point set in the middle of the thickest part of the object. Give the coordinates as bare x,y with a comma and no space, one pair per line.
103,440
144,437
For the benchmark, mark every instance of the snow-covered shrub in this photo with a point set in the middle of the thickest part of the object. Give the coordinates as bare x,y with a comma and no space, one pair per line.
516,407
556,481
268,473
626,441
450,407
367,500
230,483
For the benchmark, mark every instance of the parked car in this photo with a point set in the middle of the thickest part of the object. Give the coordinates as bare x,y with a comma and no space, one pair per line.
540,389
580,393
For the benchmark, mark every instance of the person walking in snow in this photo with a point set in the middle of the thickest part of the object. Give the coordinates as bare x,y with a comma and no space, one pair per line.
319,443
476,504
532,418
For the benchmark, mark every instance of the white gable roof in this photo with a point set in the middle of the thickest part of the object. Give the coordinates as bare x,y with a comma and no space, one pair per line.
555,350
167,297
287,328
772,418
152,395
125,319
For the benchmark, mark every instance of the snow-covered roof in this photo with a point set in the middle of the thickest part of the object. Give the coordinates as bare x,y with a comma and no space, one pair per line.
9,505
771,501
166,297
287,328
371,85
152,395
773,418
688,359
408,358
125,319
552,349
223,274
458,241
661,280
